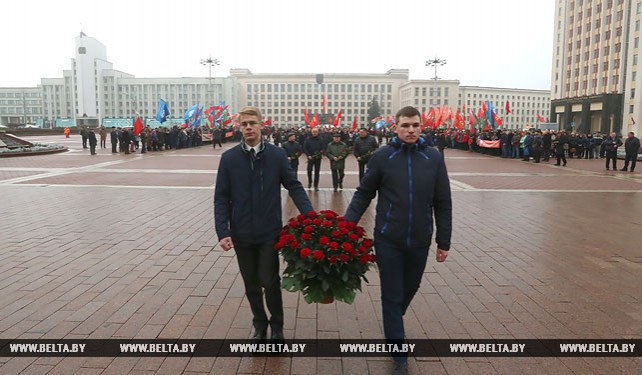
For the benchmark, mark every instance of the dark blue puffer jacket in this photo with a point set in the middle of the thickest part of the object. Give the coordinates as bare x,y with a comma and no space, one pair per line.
247,197
412,183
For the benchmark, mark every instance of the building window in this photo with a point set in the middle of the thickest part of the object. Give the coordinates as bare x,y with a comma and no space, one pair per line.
632,93
631,107
635,59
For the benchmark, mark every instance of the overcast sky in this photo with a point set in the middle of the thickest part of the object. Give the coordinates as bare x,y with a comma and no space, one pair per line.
498,43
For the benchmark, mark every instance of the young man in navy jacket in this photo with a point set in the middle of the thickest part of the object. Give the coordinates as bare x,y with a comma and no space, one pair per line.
411,182
247,213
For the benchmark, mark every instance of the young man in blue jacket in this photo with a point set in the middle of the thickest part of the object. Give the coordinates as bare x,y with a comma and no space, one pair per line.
247,213
411,182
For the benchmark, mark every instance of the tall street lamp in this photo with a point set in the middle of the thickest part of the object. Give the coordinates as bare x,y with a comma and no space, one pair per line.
435,63
210,62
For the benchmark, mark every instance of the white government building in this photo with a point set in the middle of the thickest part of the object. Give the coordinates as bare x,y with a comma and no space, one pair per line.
93,93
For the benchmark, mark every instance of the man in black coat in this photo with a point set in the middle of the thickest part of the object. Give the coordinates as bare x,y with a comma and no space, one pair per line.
92,142
313,149
247,213
411,183
85,135
631,148
113,137
364,145
560,140
546,144
610,149
293,151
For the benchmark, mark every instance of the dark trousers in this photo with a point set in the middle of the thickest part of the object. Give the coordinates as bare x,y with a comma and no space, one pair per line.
294,163
611,155
84,141
113,147
362,168
537,154
143,146
316,165
633,158
337,177
92,148
400,272
259,265
560,157
103,143
217,142
547,154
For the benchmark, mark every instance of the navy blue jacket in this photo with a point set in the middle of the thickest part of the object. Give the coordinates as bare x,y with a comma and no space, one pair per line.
247,197
412,183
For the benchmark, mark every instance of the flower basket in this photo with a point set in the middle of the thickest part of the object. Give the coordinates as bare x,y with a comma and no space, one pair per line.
326,256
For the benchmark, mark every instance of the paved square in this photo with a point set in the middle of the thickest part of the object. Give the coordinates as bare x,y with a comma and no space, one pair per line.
123,246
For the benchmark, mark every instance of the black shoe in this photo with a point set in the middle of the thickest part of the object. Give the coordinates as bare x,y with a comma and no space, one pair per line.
400,368
316,188
259,335
623,170
564,165
277,336
557,165
341,186
335,190
309,186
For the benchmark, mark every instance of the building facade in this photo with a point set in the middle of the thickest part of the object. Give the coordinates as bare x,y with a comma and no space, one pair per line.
283,98
92,91
595,65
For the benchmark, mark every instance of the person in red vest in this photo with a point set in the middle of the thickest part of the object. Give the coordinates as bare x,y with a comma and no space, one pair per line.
67,131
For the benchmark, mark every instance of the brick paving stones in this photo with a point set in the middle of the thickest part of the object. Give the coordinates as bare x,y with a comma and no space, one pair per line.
123,246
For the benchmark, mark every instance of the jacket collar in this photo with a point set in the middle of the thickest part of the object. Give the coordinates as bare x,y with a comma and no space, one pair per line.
397,143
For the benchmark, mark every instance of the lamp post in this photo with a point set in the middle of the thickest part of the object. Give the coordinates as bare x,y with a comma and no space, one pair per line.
435,63
210,62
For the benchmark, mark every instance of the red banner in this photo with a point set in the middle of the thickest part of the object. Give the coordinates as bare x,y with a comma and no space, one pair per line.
488,144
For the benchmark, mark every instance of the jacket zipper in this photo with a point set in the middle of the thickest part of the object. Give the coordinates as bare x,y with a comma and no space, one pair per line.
385,224
410,199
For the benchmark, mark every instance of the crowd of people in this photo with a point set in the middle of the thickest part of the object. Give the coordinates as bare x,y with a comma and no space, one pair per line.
336,144
542,145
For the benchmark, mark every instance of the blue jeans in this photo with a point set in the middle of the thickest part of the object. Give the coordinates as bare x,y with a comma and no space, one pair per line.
400,271
514,151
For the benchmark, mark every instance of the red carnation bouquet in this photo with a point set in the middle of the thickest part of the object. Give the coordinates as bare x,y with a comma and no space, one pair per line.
326,256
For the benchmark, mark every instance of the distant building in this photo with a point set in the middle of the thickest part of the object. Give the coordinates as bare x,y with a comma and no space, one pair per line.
284,97
595,65
92,91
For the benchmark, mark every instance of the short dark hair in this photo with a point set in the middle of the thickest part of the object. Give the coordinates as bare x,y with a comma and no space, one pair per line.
407,111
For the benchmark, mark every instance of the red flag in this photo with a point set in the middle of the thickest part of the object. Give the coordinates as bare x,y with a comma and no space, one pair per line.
481,113
471,121
138,126
484,107
325,102
508,107
337,119
267,122
487,127
437,121
460,122
540,118
315,120
307,119
497,119
354,123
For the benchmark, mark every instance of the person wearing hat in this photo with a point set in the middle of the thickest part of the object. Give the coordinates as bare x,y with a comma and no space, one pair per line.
293,150
92,141
337,151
